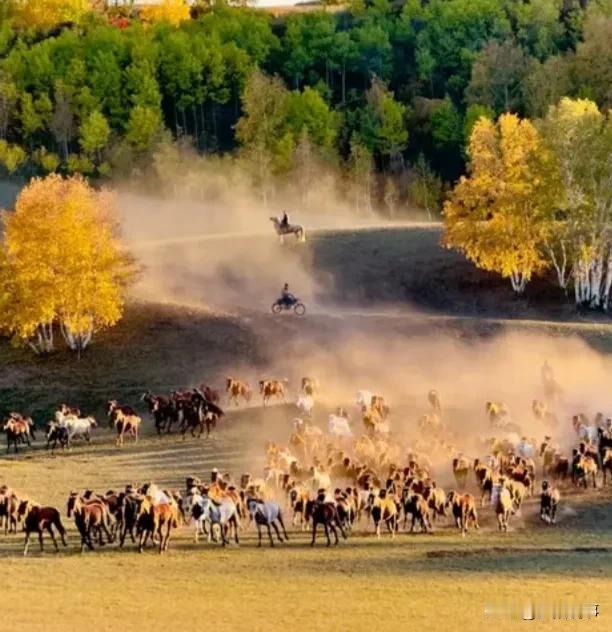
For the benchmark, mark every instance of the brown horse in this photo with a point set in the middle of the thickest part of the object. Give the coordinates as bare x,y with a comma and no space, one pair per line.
210,394
272,388
156,520
130,503
9,508
322,512
36,519
89,515
162,410
236,389
18,429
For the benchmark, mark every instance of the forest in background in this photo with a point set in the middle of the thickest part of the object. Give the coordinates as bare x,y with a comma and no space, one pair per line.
382,94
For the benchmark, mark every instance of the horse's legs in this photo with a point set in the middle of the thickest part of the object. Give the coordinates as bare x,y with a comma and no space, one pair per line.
314,531
141,541
235,525
40,539
332,526
325,524
162,538
270,534
109,535
26,543
282,524
50,530
168,535
258,535
278,535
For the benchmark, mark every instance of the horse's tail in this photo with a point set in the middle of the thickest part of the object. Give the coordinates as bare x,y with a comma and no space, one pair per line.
57,522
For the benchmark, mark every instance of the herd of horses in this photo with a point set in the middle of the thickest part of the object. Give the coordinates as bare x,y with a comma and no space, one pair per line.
330,481
194,410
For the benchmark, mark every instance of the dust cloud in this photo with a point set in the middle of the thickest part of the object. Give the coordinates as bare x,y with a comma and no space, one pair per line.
203,233
206,240
404,367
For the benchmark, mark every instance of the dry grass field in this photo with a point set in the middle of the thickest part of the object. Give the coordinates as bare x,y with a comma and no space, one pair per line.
434,581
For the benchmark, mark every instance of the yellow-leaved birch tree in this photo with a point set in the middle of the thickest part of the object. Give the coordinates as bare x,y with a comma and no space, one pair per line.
62,265
497,214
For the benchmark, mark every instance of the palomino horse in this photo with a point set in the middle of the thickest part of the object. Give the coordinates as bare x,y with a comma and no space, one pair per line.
156,520
290,229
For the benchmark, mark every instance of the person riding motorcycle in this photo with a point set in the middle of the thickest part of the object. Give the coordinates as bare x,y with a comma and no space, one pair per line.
286,297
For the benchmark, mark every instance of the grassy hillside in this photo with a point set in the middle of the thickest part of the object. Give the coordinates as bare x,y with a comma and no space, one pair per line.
362,584
361,272
409,266
365,583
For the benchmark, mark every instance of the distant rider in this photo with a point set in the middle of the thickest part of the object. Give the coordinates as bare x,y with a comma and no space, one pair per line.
547,374
285,220
286,297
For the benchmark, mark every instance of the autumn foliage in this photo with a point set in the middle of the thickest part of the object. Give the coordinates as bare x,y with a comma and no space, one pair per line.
538,196
172,11
44,14
61,264
496,214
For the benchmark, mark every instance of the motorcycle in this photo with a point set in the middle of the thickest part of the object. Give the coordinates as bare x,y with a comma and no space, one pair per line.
282,305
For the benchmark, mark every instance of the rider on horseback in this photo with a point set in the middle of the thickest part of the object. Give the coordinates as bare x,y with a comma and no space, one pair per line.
285,220
286,297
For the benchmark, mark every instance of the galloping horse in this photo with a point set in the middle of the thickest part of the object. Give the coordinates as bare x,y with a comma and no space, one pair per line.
291,229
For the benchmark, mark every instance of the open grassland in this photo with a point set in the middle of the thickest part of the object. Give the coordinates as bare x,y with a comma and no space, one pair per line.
368,283
362,584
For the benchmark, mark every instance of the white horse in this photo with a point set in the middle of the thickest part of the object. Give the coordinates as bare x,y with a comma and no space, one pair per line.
78,427
587,433
339,426
305,404
290,229
224,514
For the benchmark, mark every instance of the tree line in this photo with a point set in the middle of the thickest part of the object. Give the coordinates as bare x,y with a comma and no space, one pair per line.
385,92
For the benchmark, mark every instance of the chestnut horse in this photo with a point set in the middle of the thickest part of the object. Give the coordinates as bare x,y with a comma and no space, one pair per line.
236,389
37,518
89,515
272,388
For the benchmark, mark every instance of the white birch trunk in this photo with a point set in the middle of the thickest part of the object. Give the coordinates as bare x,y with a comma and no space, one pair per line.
44,339
596,270
605,297
560,265
518,281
